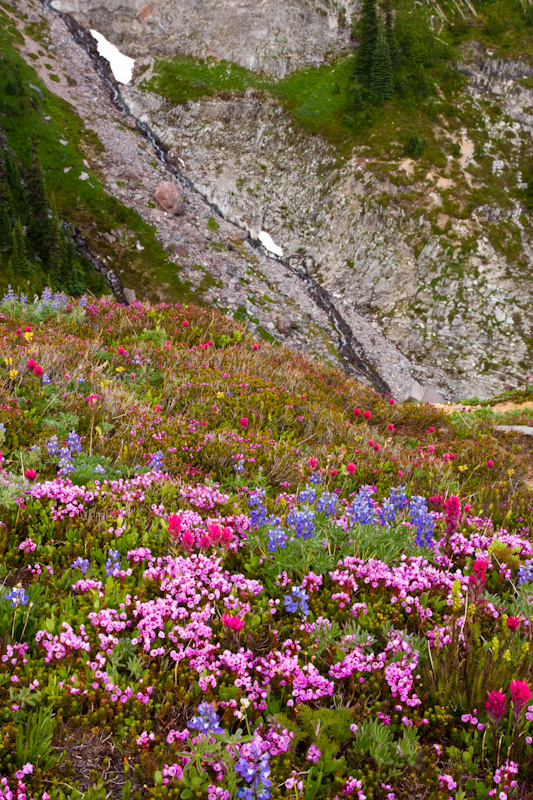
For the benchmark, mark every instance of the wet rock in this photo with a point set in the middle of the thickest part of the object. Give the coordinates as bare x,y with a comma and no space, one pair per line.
170,198
117,287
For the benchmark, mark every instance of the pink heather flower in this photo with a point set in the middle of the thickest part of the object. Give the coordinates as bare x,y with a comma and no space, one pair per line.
357,412
377,447
495,705
18,330
513,623
312,463
448,781
31,363
30,474
243,422
167,344
490,463
390,426
313,754
184,323
350,467
367,414
27,769
121,351
255,347
370,442
520,694
38,370
392,401
233,623
204,540
334,472
431,429
91,399
27,328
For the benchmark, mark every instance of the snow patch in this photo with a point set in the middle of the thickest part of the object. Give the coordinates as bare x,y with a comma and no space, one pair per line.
269,244
121,65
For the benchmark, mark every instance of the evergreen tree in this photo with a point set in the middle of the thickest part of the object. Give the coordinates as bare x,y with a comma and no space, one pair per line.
381,85
20,265
6,212
368,37
39,227
55,262
14,183
394,50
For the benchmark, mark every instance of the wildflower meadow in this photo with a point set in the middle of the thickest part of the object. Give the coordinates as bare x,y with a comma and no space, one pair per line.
228,571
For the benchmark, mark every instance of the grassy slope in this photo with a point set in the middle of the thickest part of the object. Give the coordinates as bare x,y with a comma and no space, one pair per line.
189,400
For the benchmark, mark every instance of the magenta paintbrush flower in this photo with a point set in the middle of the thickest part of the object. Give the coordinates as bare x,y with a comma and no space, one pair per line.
233,623
495,705
520,694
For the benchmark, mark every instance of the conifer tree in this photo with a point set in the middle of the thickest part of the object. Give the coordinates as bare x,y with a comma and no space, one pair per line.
381,86
20,265
369,30
56,255
394,50
6,213
39,227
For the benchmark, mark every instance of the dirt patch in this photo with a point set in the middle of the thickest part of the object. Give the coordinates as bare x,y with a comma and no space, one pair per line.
95,757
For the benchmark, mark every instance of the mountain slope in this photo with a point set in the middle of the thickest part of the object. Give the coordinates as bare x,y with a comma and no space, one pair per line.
435,249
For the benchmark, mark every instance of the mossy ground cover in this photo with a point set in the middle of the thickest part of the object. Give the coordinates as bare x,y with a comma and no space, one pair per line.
229,571
26,116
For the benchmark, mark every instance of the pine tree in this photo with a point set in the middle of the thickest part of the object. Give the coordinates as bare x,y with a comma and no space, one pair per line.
55,262
39,223
394,50
381,86
369,30
6,212
20,265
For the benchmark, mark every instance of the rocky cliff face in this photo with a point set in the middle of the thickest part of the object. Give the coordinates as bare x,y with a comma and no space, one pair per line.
272,36
463,318
439,261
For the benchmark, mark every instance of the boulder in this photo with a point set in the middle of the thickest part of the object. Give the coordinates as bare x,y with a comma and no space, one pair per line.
414,394
524,429
170,198
284,324
129,294
432,395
